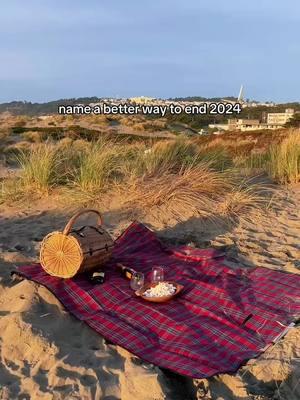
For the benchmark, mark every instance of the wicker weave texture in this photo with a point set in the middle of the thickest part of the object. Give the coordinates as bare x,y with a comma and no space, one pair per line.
65,254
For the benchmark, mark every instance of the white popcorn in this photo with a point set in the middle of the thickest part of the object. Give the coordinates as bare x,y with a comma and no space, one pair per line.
160,290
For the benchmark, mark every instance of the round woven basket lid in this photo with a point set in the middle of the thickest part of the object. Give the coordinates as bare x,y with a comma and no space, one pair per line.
60,255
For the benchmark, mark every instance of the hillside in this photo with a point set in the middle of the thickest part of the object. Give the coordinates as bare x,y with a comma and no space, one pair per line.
18,108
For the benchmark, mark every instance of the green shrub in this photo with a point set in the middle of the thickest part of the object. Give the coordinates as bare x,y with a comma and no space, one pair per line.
16,130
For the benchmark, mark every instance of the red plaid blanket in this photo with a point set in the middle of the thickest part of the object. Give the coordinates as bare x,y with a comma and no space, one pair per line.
221,319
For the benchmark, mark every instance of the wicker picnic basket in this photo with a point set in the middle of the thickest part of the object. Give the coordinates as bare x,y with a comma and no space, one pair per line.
72,251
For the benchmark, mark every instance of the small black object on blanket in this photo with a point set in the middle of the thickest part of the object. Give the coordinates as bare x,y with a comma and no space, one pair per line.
97,277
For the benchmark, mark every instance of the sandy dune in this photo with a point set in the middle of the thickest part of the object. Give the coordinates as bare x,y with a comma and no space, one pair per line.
48,354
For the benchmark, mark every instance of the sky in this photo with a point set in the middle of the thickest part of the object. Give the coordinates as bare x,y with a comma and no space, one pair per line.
54,49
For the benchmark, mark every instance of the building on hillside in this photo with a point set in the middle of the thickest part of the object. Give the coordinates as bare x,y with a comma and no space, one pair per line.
245,125
142,100
221,127
238,125
44,117
280,118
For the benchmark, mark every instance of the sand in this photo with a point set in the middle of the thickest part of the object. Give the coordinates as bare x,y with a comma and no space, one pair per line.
47,354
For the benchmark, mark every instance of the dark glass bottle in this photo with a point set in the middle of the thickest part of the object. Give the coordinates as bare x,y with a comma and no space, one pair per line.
125,271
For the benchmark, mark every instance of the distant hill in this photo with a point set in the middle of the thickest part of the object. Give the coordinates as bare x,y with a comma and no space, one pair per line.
32,109
28,108
194,121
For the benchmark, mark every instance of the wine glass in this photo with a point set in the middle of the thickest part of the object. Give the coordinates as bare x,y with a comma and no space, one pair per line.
157,274
137,281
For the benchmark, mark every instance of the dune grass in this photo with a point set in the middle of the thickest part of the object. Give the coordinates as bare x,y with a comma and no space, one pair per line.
252,164
11,191
180,175
40,168
244,197
196,189
176,173
4,135
174,155
96,166
284,160
165,155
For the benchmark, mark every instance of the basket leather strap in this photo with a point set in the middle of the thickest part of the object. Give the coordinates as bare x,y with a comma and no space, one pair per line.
71,222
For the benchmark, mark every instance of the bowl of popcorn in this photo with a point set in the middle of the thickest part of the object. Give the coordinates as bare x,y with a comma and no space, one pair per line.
159,292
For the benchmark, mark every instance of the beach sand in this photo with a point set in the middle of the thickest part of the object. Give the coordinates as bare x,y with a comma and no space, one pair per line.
47,354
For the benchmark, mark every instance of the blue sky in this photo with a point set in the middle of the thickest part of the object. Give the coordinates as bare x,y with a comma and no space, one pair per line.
52,49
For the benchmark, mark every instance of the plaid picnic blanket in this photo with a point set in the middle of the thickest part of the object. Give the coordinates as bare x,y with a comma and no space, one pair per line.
222,318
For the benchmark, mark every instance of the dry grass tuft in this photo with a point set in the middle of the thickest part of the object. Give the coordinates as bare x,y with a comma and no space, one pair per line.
243,198
181,175
167,154
195,188
11,191
40,168
284,160
97,165
4,135
34,136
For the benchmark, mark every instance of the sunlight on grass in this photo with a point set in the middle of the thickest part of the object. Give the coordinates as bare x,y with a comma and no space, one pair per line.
180,174
284,160
40,168
96,167
196,188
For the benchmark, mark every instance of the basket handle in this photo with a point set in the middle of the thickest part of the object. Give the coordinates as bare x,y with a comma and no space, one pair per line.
71,222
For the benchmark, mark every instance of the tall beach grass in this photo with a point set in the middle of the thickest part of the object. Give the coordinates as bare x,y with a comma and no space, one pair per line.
180,174
96,166
40,168
284,160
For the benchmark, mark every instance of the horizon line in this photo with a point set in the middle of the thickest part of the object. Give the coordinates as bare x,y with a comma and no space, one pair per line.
157,98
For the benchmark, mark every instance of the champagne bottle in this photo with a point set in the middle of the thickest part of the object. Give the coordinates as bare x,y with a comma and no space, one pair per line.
125,271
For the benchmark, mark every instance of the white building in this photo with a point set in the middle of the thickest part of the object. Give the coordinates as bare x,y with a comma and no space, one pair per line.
245,125
280,118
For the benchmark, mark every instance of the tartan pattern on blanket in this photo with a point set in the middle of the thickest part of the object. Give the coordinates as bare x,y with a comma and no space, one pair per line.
222,318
